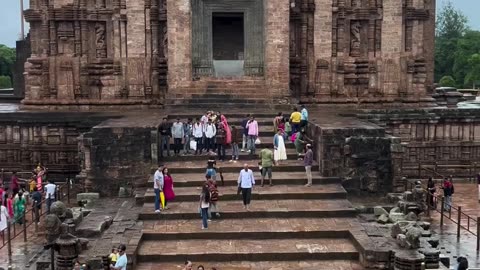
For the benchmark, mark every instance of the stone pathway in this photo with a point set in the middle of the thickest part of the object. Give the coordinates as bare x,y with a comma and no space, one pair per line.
274,265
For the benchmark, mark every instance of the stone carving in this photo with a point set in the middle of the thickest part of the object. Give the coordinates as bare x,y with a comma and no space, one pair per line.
165,41
100,40
355,31
60,225
356,3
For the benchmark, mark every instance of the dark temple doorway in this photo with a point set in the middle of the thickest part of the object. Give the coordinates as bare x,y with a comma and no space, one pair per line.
228,36
228,44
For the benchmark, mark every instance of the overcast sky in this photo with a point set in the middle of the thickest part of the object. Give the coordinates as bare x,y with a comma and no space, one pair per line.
10,17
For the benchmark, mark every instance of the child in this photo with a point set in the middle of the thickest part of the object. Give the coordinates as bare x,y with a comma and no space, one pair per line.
211,170
204,205
212,188
288,129
113,256
236,138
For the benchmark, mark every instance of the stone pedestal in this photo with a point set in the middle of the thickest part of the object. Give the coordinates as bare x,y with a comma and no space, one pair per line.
408,260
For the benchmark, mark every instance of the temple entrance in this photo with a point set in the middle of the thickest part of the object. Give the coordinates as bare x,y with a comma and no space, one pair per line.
228,44
227,38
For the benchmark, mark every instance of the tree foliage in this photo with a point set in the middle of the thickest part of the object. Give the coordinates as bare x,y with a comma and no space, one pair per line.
5,82
473,74
455,47
451,26
447,81
7,59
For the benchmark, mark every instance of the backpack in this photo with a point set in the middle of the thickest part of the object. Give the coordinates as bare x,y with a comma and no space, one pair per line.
213,193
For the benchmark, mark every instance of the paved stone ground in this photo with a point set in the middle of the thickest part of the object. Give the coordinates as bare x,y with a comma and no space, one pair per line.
466,195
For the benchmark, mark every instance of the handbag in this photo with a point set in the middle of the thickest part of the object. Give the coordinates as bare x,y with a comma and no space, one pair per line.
162,199
193,145
239,189
258,141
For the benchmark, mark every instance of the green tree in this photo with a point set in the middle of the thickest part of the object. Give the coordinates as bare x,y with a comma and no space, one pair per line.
467,46
473,75
7,59
447,81
451,26
5,82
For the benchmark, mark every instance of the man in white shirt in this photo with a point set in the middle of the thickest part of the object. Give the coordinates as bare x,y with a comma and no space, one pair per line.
158,186
246,181
198,135
210,132
122,261
50,190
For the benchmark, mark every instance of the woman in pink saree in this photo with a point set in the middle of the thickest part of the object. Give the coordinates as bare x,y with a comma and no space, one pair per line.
228,131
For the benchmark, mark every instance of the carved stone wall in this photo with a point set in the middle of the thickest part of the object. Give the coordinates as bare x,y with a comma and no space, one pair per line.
446,137
96,53
27,139
376,51
102,53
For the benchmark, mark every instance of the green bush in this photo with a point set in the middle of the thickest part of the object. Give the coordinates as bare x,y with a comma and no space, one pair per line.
5,82
447,81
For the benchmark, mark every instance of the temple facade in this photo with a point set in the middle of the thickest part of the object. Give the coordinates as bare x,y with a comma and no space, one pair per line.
154,52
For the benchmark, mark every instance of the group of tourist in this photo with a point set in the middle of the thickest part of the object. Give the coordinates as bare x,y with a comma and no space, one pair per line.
448,191
15,198
210,133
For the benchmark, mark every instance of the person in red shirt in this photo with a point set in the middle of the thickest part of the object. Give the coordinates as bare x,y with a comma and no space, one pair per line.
14,185
10,205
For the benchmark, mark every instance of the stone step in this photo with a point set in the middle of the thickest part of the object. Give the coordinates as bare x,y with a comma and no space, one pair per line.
259,209
258,228
243,156
264,265
276,192
225,106
228,167
248,249
230,179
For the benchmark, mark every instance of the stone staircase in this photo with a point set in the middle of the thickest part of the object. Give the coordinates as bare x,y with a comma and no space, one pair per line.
221,93
289,226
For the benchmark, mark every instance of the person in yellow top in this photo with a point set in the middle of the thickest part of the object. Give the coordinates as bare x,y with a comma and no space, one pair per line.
295,119
32,184
113,256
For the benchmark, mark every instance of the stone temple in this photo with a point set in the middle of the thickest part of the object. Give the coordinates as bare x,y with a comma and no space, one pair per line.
101,53
103,73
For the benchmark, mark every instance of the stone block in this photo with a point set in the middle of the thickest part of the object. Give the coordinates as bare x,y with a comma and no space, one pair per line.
91,198
411,216
400,227
378,211
383,219
396,210
413,237
424,225
402,240
396,217
94,225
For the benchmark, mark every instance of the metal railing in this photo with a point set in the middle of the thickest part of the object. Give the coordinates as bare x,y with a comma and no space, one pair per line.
434,168
470,224
63,192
